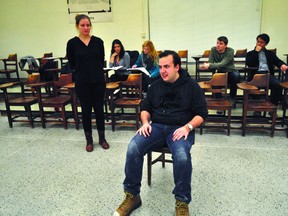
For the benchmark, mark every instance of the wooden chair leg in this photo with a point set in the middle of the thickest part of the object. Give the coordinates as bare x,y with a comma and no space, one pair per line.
149,167
64,118
229,122
29,115
273,123
113,118
42,116
163,159
137,110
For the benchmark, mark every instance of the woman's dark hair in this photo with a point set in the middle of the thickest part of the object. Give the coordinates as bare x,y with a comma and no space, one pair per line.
79,17
122,50
176,58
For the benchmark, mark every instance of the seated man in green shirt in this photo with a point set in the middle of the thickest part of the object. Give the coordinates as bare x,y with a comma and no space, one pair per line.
221,59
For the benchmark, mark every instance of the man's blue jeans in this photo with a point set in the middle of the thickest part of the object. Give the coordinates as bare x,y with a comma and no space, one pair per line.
182,161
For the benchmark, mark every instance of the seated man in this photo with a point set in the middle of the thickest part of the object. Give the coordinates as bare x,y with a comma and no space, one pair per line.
221,58
265,60
174,106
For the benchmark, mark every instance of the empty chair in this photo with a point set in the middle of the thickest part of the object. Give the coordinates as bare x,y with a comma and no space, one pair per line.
240,61
130,94
48,68
56,101
285,104
133,56
183,54
10,66
259,86
217,85
27,99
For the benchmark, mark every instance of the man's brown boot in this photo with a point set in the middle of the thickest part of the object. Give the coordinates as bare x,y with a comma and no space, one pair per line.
181,208
129,204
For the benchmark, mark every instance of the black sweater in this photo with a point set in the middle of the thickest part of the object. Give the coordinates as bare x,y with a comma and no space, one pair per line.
252,60
86,61
175,103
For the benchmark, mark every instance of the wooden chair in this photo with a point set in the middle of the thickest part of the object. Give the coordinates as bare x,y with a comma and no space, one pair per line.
130,94
258,86
285,105
240,61
217,85
183,54
159,52
26,100
57,101
133,56
10,66
161,158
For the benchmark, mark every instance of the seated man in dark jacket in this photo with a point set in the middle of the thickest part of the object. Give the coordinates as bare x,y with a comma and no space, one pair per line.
174,106
265,60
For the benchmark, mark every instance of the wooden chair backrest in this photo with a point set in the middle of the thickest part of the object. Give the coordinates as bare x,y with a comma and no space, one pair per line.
261,81
206,54
183,53
218,82
132,87
241,53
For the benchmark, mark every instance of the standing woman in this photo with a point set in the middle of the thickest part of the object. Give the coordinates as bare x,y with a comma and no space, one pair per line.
85,54
119,58
148,60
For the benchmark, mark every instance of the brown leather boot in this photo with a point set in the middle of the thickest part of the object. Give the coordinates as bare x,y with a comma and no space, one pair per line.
102,140
89,141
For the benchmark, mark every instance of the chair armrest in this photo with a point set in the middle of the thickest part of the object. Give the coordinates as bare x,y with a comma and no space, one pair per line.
245,86
284,85
203,85
39,85
112,85
69,86
6,85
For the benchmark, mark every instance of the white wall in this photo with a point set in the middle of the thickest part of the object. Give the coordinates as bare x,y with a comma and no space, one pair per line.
274,23
34,27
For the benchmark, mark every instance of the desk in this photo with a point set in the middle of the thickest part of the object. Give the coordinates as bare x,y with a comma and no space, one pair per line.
197,59
197,68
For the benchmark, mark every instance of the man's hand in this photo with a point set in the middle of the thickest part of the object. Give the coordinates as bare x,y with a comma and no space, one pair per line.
180,132
145,130
205,66
284,67
258,48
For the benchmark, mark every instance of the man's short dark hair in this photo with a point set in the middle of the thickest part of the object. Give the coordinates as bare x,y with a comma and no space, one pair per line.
264,37
223,39
175,56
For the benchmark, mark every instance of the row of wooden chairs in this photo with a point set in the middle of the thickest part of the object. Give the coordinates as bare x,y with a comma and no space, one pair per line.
258,87
55,100
11,65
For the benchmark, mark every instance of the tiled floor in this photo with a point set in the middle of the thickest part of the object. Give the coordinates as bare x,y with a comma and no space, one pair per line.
47,172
